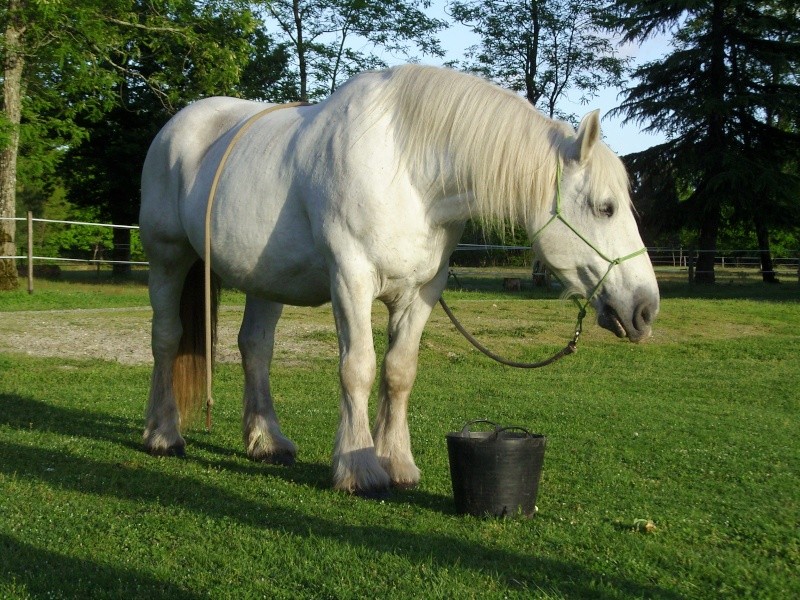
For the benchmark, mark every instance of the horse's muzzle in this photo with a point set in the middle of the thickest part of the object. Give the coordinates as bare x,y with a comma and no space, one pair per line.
635,324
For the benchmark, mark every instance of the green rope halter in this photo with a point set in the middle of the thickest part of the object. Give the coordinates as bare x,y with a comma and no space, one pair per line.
572,345
612,262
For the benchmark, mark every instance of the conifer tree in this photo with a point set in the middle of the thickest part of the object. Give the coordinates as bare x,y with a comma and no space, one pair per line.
728,98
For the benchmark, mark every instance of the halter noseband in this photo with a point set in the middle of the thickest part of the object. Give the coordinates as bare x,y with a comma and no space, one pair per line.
612,262
572,345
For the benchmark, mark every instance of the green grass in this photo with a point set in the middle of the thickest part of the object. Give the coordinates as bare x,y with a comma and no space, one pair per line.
694,430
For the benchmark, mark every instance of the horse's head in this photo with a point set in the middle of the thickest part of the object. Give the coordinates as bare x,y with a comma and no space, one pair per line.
591,241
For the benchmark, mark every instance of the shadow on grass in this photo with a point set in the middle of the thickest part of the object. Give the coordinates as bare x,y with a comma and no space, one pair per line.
128,480
45,574
787,291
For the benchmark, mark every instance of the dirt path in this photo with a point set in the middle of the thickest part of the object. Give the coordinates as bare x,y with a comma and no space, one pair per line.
123,334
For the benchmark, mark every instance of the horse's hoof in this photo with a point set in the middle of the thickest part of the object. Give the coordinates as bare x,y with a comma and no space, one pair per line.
284,459
405,485
375,494
171,451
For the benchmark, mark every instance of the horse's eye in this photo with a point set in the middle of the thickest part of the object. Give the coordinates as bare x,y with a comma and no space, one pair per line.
606,209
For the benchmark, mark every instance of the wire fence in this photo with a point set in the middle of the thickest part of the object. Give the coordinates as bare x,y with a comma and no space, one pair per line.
97,248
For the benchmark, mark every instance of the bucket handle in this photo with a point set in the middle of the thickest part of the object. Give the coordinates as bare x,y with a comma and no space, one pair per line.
497,428
466,430
500,430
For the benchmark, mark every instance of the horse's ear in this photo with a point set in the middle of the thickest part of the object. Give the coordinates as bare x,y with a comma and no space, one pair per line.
588,135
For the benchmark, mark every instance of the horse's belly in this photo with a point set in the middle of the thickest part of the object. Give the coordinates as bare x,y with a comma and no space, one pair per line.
275,261
303,289
295,277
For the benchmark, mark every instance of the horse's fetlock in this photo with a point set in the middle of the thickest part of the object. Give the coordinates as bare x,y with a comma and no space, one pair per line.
402,472
359,472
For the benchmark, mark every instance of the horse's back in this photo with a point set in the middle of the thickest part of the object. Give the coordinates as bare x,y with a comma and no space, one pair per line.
176,153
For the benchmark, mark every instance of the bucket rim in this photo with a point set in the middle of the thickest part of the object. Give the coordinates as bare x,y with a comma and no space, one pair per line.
499,432
491,436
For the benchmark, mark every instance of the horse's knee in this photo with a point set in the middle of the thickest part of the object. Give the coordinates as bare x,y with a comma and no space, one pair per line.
399,371
357,372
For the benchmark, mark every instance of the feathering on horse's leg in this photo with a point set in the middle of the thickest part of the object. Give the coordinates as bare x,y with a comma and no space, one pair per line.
392,438
355,465
262,434
163,416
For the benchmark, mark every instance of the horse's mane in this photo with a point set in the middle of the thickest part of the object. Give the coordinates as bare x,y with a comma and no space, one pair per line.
493,141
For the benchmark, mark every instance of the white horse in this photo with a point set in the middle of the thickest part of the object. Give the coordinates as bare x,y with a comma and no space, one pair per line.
364,196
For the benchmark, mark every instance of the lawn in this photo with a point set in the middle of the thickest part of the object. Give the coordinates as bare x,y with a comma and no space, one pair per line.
694,430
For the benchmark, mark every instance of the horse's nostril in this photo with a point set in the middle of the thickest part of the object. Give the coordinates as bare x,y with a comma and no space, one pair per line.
644,316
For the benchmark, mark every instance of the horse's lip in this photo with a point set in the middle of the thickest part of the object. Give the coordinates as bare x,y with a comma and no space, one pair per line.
608,318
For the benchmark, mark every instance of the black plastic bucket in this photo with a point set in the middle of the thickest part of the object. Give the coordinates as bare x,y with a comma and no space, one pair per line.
495,472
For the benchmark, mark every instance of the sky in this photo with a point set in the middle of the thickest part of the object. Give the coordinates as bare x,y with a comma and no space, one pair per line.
623,139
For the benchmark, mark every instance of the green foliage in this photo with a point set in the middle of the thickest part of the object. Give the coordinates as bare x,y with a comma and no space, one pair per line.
102,77
544,49
335,39
476,234
76,241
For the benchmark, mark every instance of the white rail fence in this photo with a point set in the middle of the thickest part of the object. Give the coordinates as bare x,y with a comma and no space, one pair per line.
680,259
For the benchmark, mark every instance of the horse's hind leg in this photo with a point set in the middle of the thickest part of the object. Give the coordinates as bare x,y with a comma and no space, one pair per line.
392,440
162,430
262,434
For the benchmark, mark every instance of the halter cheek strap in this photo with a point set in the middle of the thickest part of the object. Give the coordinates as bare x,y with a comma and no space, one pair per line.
612,262
572,345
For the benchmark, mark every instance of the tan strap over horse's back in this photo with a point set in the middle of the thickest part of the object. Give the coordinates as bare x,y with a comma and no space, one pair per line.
207,238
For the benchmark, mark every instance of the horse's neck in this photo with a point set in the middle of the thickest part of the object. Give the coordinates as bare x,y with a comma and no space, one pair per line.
452,208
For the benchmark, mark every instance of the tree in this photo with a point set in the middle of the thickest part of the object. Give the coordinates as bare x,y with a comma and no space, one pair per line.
728,98
155,75
14,49
267,75
320,33
542,48
49,52
68,64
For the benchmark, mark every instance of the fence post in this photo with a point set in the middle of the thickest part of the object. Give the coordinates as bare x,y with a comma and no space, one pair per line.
30,252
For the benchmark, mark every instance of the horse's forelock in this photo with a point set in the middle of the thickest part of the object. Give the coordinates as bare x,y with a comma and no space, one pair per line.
608,175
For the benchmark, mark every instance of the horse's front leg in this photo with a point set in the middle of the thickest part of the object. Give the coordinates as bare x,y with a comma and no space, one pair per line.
392,439
355,465
262,434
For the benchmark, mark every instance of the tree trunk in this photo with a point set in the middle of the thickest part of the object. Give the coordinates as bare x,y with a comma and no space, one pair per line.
707,245
532,92
13,64
716,147
301,51
764,253
121,253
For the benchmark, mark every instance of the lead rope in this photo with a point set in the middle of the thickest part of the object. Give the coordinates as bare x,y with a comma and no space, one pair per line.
572,345
207,251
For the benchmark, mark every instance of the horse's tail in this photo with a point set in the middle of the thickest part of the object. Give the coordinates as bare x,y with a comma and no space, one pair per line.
189,368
